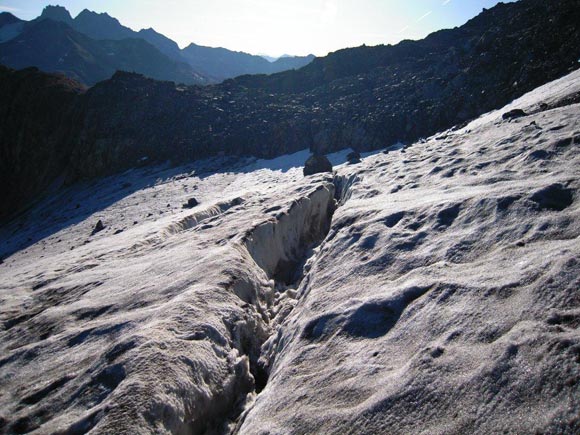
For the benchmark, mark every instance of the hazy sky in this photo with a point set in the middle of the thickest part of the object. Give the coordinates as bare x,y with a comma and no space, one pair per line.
276,26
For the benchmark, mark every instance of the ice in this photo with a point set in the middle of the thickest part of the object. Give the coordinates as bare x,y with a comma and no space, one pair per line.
295,161
432,289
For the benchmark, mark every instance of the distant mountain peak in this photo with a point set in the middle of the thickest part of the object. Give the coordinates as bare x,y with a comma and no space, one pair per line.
92,15
268,57
194,64
56,13
101,26
8,18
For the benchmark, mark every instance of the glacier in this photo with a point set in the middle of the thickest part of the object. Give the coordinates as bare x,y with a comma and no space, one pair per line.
432,288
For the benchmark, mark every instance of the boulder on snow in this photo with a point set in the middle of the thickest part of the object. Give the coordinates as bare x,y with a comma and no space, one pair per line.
98,227
353,158
317,164
514,114
191,202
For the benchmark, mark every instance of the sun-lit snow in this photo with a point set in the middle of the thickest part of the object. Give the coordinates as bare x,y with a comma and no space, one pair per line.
429,289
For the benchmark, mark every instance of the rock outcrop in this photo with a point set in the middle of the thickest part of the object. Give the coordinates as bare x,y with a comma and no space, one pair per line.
317,164
39,125
353,158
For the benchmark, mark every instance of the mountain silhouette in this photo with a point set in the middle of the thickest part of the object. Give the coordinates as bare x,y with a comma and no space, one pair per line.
10,26
221,63
194,65
53,46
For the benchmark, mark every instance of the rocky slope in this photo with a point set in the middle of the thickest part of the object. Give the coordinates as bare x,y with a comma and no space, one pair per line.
36,139
365,98
430,289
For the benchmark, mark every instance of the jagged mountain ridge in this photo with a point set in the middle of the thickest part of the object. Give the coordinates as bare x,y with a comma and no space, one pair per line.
223,63
215,64
101,26
365,98
56,13
55,47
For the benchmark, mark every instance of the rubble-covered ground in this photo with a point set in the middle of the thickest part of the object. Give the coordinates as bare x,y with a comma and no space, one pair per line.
429,289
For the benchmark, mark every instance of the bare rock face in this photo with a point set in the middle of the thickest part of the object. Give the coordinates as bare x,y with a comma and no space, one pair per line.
56,13
317,164
39,122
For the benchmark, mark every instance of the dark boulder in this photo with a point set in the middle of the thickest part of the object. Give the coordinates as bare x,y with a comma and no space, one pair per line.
191,202
317,164
353,158
98,227
514,114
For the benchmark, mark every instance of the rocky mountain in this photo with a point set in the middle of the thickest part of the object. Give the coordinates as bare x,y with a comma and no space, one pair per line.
365,98
162,42
53,46
37,139
286,63
7,18
222,63
10,26
269,58
101,26
208,64
56,13
217,63
432,289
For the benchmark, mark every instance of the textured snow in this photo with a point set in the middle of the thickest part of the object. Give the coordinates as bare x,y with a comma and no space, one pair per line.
430,289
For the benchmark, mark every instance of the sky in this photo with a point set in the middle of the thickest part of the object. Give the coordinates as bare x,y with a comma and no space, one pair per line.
275,27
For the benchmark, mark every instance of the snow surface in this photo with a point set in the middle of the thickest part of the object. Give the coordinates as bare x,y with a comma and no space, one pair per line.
431,289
